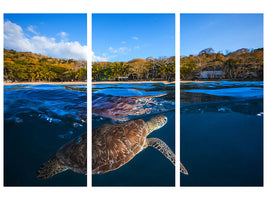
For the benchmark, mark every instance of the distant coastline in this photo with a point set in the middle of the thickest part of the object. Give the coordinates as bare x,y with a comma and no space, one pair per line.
44,82
112,82
203,81
115,82
82,82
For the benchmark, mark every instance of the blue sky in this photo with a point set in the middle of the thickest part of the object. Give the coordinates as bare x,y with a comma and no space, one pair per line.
122,37
56,35
222,32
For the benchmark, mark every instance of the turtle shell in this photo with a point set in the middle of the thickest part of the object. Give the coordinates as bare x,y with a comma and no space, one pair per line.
74,154
113,145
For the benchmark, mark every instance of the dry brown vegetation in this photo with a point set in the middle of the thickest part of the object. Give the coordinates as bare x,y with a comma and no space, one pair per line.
243,64
31,67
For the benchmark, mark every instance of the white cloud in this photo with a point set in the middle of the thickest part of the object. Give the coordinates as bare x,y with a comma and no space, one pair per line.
135,38
31,29
98,58
15,38
124,50
112,53
120,50
106,56
112,50
63,34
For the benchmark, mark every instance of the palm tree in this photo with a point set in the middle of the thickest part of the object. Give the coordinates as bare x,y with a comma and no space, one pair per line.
39,75
50,75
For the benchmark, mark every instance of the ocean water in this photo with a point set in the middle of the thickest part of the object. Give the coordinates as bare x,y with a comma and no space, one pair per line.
119,103
222,133
38,120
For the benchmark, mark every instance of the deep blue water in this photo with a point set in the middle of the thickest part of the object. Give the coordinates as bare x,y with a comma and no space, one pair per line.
38,120
222,133
149,167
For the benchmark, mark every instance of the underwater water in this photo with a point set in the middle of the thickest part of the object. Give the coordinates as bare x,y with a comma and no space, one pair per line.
38,120
119,103
222,133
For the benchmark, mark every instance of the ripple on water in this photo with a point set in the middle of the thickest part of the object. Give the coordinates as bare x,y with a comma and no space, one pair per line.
41,118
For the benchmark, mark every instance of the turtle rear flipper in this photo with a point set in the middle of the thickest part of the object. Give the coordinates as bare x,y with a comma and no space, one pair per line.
162,147
50,168
183,169
165,150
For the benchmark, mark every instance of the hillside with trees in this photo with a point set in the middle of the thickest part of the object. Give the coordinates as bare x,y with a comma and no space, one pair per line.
137,69
31,67
243,64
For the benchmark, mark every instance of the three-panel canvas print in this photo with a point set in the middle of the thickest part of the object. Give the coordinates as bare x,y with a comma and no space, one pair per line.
142,95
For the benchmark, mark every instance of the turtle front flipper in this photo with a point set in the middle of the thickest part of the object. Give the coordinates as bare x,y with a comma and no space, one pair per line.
50,168
165,150
162,147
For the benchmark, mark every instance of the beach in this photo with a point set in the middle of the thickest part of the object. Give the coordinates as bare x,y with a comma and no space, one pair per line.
44,83
131,82
191,81
107,82
211,81
81,82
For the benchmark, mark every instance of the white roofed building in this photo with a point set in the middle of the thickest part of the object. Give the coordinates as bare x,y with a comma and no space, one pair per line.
211,75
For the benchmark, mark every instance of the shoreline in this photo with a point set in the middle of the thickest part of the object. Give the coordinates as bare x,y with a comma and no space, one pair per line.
45,83
203,81
122,82
80,82
111,82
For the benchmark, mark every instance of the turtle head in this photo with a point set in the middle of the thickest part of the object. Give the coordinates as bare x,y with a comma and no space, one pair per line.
156,123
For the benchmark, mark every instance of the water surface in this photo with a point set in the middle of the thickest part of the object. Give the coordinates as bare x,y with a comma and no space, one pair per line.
222,133
38,120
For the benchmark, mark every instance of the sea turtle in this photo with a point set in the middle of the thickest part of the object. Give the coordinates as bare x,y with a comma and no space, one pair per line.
70,156
113,145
